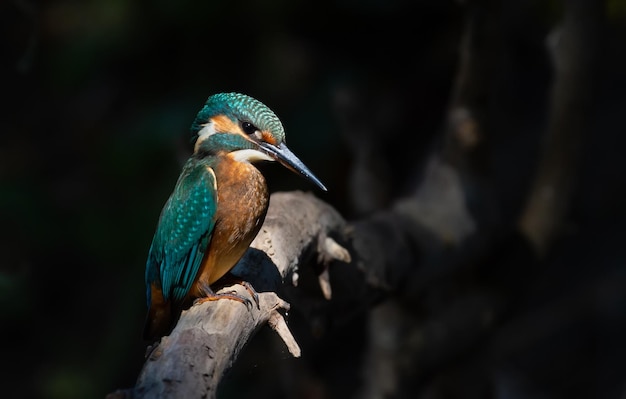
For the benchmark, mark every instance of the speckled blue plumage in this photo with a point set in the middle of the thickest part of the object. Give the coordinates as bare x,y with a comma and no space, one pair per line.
239,107
183,232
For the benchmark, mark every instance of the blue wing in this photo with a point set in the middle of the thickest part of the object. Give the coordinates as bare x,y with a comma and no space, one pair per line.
183,233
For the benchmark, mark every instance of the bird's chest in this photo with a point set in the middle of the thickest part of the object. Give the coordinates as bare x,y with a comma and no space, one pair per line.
242,200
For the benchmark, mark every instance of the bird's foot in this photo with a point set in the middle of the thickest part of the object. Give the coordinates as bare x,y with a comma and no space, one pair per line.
226,295
252,292
232,279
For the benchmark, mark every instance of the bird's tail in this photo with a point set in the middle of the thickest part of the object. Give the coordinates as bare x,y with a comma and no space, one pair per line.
159,319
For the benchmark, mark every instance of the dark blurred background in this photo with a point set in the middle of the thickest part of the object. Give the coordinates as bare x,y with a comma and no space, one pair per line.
98,97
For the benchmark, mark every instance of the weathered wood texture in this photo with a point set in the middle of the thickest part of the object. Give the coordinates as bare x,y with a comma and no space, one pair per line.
373,257
208,337
380,257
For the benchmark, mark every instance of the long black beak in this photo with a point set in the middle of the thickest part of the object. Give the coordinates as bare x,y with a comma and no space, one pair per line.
288,159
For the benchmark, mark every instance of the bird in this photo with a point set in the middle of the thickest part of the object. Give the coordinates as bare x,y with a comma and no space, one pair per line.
217,206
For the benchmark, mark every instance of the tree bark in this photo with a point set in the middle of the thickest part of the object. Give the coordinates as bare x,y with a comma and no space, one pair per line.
208,337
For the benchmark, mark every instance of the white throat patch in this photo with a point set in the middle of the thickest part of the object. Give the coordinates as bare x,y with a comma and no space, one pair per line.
249,156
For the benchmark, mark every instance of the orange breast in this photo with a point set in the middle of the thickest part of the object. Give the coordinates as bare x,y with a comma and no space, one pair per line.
241,207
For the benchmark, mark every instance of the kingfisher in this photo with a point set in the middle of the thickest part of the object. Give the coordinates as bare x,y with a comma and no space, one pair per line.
217,207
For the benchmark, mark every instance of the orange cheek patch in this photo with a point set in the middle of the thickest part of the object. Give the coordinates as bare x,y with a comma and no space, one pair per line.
224,124
267,137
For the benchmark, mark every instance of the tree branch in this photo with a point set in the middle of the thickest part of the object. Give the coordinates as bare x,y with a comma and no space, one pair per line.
298,228
209,336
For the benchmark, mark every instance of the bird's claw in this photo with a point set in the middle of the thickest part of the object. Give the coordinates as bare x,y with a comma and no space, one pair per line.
232,295
252,293
248,304
241,299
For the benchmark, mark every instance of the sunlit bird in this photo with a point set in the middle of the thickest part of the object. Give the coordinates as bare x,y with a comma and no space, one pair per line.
217,207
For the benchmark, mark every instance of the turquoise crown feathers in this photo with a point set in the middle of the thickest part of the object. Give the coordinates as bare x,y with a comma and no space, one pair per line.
238,107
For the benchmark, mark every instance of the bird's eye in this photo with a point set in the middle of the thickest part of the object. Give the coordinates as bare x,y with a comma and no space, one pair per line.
248,127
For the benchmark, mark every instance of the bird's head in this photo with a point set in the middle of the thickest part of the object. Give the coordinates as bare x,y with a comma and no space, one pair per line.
247,130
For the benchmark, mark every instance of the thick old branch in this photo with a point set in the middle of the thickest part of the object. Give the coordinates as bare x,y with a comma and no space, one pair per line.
382,252
206,341
209,336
